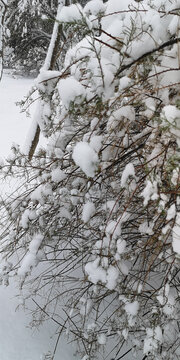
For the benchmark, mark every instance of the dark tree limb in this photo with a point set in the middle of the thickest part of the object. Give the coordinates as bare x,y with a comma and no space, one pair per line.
51,66
34,143
148,53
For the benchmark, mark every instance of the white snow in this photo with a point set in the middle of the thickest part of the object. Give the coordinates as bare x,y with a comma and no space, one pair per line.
45,75
125,112
176,235
96,142
146,228
121,246
35,243
112,277
153,339
14,124
57,175
175,176
173,26
132,308
104,270
170,305
150,192
127,172
31,258
94,7
25,219
171,115
102,339
131,311
28,263
113,7
17,340
113,228
123,268
86,158
88,211
95,272
124,82
70,90
37,194
111,205
171,213
70,13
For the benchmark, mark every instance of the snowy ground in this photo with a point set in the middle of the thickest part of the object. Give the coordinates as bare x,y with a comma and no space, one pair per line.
17,341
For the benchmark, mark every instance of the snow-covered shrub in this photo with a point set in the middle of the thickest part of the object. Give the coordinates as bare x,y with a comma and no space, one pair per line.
93,232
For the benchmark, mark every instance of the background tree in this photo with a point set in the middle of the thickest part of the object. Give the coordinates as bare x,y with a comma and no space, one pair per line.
3,8
29,28
93,230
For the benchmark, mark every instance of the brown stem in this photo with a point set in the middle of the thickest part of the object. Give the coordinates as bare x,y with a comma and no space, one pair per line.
150,52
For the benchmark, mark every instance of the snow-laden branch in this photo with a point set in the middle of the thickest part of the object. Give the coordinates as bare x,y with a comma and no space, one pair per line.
148,53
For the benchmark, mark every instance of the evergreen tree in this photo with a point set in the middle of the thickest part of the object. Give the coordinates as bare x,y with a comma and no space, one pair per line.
29,25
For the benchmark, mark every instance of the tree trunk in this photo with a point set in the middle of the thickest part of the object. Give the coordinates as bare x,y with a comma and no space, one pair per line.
49,64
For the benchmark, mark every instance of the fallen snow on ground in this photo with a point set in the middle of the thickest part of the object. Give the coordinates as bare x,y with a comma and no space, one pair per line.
13,124
17,340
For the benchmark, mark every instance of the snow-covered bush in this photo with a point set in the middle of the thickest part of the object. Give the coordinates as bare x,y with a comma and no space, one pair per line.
93,230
